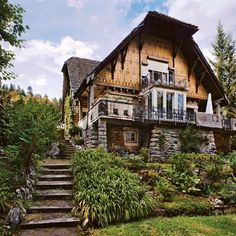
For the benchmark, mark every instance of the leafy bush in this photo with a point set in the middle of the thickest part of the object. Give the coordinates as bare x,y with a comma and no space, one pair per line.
78,141
233,143
106,192
74,130
143,152
166,189
192,173
190,139
133,162
31,126
186,205
232,162
228,193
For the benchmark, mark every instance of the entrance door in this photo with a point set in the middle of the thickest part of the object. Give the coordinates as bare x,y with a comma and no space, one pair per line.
169,105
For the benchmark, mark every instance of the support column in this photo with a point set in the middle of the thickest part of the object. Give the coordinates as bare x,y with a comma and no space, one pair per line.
217,109
102,133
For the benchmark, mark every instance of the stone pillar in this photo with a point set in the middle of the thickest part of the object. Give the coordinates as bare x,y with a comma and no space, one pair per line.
102,133
217,109
91,96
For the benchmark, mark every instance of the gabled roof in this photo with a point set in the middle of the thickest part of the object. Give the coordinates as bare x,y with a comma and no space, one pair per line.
78,69
159,25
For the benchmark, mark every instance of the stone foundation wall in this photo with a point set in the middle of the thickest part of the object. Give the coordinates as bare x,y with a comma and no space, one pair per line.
91,136
160,152
102,133
210,145
96,135
171,145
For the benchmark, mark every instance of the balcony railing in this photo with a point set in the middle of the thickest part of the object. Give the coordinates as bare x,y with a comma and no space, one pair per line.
209,120
160,114
164,80
124,110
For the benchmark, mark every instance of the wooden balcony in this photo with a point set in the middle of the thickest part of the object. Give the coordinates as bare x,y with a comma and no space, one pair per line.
165,80
122,109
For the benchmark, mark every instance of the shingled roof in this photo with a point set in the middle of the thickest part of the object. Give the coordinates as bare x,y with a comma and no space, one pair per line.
78,69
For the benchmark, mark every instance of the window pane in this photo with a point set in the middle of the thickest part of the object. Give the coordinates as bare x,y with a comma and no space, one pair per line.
159,99
180,101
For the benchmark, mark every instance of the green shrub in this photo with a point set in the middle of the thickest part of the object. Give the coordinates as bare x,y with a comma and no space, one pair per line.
192,173
162,141
232,162
190,139
105,191
79,141
74,130
233,143
134,162
228,193
166,189
148,176
186,205
143,152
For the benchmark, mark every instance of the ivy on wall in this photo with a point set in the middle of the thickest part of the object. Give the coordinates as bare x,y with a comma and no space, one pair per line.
68,112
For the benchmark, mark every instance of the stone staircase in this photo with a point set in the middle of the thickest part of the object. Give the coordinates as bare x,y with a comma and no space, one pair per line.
69,149
50,212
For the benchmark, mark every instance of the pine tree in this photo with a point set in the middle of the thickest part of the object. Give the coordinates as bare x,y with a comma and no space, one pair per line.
224,65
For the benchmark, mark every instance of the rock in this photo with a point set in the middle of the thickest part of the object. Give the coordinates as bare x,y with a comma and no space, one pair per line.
55,151
14,217
24,193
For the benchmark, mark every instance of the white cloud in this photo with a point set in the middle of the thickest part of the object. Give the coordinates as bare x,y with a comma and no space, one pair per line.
76,3
206,15
41,81
39,63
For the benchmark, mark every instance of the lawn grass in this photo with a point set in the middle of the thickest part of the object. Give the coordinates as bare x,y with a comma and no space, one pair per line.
224,225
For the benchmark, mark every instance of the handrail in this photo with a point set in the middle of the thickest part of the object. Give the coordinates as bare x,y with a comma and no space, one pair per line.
166,80
125,110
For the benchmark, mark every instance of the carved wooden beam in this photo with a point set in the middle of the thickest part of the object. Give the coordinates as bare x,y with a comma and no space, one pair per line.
123,56
192,67
113,66
199,81
176,48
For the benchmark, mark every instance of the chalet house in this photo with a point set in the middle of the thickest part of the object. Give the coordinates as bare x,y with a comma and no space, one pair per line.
155,82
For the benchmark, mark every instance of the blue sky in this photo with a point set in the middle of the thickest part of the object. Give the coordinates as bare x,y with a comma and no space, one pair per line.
60,29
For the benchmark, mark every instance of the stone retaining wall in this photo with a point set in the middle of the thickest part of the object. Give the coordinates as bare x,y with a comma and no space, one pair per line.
172,144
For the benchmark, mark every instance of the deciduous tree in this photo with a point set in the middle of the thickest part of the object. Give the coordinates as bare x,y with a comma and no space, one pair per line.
11,30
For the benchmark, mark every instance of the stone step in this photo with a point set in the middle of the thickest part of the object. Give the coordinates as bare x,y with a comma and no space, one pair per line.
56,166
47,171
53,194
35,209
56,222
53,231
53,184
56,177
50,206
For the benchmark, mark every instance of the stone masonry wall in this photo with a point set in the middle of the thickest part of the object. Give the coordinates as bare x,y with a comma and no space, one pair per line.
91,136
102,133
172,144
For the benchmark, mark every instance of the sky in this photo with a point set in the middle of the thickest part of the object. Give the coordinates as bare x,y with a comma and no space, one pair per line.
60,29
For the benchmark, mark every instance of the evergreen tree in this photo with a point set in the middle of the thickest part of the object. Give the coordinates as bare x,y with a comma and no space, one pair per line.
224,65
30,91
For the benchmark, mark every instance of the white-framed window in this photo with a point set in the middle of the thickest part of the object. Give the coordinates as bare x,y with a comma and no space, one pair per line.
131,136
